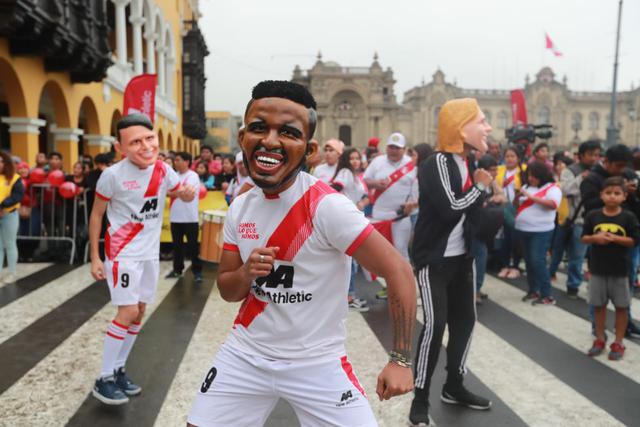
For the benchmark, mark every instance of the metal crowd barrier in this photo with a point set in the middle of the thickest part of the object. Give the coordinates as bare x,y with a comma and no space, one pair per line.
48,220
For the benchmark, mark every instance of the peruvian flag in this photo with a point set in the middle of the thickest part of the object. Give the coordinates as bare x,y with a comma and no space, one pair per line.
140,96
550,45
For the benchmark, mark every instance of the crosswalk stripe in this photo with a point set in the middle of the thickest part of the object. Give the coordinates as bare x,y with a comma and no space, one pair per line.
212,329
73,365
583,292
536,395
25,269
571,329
26,310
27,284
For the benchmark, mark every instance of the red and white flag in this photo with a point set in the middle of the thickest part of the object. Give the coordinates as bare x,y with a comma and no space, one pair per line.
140,96
550,45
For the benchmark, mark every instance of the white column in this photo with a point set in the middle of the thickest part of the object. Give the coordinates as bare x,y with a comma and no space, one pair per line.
170,77
137,44
151,51
65,134
24,124
103,141
161,69
121,30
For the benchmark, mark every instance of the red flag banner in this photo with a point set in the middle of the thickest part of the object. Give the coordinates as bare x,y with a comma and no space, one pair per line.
551,46
140,96
518,107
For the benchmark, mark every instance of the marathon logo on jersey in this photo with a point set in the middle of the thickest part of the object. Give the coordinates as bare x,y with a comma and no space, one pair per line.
149,211
281,276
248,231
347,399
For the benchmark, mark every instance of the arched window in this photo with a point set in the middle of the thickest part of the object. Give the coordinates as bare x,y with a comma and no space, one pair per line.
576,121
594,121
436,113
544,115
503,120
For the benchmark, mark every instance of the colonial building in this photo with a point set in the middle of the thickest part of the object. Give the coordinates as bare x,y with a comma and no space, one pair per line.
355,103
64,66
223,127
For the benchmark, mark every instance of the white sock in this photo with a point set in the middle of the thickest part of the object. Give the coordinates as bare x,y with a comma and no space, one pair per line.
113,340
132,334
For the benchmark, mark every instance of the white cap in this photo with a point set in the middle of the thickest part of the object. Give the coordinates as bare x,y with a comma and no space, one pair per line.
397,139
239,157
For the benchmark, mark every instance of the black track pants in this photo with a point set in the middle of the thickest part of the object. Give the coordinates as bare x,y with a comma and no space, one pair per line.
447,290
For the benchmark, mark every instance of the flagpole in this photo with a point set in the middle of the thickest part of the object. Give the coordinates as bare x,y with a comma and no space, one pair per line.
612,130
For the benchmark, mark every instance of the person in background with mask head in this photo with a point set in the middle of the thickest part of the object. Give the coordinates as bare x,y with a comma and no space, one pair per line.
449,194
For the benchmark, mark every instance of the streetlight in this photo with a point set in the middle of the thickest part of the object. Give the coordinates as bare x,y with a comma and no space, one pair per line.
612,131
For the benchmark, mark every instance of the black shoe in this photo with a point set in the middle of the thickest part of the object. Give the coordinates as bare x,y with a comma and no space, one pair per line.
572,293
419,413
482,295
173,275
125,384
197,277
461,396
107,391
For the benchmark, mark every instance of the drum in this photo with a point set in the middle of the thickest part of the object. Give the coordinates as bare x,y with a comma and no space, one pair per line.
212,236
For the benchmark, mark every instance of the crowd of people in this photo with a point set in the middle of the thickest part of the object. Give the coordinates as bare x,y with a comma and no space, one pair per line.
452,212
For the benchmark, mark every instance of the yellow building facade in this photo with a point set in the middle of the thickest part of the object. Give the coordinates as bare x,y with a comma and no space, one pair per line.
49,110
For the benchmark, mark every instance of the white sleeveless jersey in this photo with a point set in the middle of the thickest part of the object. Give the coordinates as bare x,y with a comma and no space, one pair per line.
135,208
299,310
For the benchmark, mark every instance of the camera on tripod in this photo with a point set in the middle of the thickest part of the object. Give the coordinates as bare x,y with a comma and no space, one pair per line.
528,133
522,136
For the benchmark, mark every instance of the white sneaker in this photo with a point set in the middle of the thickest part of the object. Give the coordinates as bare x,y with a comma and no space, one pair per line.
359,305
9,279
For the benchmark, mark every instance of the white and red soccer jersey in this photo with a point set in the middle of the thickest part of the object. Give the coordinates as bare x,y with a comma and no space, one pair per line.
136,204
324,172
352,186
398,193
299,310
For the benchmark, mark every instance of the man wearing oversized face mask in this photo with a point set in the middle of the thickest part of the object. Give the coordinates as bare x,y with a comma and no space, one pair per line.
287,244
449,194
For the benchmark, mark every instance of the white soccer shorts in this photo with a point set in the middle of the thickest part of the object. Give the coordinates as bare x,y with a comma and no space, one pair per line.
131,282
241,390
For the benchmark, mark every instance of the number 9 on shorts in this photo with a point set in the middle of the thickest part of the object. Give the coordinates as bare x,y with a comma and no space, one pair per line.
131,282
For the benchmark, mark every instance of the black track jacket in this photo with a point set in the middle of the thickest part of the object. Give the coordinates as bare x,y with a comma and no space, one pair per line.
442,204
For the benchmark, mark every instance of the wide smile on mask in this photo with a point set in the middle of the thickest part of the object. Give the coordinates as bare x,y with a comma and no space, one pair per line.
268,162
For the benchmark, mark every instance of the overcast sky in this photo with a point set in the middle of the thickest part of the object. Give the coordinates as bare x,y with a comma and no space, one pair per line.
482,44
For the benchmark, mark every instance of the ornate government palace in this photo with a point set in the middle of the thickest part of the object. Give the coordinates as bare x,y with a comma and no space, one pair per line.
356,103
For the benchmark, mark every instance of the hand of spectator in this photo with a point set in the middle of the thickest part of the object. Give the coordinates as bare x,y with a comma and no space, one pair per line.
260,262
224,186
631,186
408,208
382,183
601,238
483,177
186,192
97,269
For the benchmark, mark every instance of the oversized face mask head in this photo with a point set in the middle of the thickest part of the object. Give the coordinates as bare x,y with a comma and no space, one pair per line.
462,122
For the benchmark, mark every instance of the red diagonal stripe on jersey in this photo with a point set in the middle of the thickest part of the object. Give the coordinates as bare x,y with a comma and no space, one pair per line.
297,225
348,369
115,282
116,242
289,236
156,179
249,309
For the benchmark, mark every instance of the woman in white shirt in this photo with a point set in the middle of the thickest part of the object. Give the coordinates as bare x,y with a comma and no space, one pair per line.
347,180
537,203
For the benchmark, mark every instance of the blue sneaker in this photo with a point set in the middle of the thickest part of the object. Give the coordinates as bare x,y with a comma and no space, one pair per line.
107,392
125,384
197,277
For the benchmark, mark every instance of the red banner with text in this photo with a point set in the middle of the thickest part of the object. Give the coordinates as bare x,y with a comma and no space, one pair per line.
140,96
